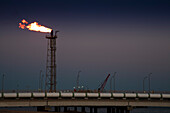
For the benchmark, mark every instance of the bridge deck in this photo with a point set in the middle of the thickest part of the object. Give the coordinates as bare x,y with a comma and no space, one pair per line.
84,99
82,102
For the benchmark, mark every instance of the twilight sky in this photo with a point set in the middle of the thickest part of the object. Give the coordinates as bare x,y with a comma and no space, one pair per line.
131,37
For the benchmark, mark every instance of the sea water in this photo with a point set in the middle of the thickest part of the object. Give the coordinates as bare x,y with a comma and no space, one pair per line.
102,110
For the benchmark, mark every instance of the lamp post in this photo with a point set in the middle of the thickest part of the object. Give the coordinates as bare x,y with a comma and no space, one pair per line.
3,77
113,77
149,77
28,88
144,83
17,87
40,81
78,76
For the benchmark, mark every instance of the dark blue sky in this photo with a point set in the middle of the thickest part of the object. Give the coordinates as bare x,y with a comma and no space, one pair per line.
98,37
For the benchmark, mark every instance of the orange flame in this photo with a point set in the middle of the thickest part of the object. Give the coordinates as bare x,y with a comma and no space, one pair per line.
22,26
34,27
24,21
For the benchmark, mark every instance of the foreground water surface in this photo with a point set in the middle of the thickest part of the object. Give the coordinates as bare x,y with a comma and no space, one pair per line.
102,110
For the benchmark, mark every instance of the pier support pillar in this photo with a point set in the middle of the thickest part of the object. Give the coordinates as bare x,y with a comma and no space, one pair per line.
83,109
57,109
117,110
41,108
95,109
113,110
75,108
91,109
65,109
122,110
127,111
108,109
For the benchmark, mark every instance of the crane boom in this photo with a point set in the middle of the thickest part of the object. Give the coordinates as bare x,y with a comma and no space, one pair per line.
101,88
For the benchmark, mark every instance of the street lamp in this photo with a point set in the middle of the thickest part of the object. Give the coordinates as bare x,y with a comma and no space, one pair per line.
28,88
17,87
144,83
113,77
3,76
40,81
78,76
149,77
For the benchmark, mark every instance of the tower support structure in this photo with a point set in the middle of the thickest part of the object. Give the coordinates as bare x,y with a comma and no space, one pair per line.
50,82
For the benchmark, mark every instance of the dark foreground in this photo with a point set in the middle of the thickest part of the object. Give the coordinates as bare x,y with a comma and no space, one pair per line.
13,111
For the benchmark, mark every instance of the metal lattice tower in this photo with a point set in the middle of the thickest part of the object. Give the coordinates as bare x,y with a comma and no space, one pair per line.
50,84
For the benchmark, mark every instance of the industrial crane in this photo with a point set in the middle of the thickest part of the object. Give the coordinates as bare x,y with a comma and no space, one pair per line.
101,88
